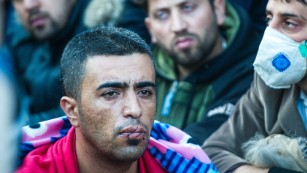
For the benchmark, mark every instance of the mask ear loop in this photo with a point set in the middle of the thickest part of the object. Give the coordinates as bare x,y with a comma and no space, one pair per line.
303,49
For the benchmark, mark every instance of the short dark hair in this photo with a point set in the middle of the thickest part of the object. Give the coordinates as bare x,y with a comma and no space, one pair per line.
105,41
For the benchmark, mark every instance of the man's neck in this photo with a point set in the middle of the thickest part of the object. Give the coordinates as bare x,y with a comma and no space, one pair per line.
89,161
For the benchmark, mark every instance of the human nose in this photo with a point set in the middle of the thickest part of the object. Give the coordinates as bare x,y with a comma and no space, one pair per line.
178,23
30,4
132,106
273,24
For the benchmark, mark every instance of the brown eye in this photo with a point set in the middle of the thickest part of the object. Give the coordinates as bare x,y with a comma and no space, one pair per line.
290,24
110,94
145,92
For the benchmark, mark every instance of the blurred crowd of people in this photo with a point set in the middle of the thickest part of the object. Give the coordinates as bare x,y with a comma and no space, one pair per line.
225,71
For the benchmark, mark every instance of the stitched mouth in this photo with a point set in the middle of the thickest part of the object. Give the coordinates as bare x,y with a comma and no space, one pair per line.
133,132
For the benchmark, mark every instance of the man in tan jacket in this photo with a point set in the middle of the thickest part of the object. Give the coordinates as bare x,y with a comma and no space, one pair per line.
276,102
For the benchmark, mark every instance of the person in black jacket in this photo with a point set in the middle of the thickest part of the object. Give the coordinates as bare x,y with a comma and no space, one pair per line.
203,54
36,40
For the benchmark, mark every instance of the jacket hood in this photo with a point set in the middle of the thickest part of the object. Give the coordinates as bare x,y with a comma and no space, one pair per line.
103,12
236,34
75,23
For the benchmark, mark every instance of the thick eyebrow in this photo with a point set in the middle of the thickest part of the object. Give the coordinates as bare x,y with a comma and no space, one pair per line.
285,14
144,84
268,12
292,15
112,85
184,2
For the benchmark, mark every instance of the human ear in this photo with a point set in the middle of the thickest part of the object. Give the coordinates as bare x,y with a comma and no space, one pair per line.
70,107
219,10
149,28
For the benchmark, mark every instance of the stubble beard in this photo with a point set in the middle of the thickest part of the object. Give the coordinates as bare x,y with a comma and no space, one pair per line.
44,33
194,56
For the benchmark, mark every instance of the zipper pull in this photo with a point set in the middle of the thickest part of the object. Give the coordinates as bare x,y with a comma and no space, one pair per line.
167,104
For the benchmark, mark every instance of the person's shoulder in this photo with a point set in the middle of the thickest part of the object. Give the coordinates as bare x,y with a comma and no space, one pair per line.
176,151
45,144
39,159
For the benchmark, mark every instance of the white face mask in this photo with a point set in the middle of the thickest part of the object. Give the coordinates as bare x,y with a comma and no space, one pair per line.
279,61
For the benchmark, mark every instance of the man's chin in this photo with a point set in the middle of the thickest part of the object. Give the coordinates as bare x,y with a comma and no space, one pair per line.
42,34
133,142
40,37
131,153
185,60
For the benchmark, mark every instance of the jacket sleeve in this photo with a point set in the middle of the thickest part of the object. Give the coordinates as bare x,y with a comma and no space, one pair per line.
224,146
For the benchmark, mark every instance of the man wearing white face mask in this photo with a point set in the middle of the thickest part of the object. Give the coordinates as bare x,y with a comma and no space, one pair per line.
280,61
276,103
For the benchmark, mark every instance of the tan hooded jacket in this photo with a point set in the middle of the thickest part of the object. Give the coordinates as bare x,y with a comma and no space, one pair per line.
261,110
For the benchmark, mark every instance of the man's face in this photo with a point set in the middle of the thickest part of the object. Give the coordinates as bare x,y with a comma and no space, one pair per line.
288,18
186,29
118,105
291,20
44,18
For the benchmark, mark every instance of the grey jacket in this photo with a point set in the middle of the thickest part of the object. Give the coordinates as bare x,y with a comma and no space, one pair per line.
261,110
